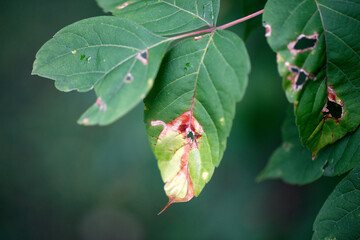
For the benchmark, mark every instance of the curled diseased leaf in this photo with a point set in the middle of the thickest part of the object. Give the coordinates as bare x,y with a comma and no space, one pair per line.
200,79
115,57
181,150
318,56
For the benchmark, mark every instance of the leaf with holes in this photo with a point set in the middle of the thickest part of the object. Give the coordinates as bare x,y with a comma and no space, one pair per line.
117,58
168,17
339,217
189,111
292,162
318,56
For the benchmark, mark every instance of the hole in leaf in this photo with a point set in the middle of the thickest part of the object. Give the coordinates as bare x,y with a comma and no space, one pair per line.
334,109
143,57
191,135
334,106
129,78
301,79
298,78
304,43
294,69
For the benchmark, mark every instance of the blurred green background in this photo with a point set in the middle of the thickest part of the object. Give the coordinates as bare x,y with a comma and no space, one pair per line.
59,180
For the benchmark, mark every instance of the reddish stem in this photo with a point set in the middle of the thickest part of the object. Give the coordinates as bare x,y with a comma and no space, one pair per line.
230,24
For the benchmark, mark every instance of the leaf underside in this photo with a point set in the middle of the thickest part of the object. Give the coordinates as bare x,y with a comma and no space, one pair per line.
292,162
115,57
318,54
339,218
205,77
168,17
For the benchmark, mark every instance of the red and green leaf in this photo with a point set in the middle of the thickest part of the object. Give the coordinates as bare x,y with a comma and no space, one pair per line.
191,108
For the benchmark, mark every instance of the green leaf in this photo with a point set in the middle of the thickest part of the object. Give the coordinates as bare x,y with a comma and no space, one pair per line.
319,59
168,17
199,83
117,58
292,162
111,5
339,218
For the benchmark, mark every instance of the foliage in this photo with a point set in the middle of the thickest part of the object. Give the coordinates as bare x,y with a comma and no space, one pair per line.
190,87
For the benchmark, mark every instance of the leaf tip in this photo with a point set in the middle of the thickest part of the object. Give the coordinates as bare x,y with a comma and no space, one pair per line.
171,201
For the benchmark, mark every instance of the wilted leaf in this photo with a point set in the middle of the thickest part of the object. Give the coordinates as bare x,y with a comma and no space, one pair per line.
339,218
168,17
292,162
199,83
318,53
117,58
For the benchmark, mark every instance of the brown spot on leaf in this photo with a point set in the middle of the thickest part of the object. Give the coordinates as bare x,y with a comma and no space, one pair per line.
268,30
190,129
100,103
303,43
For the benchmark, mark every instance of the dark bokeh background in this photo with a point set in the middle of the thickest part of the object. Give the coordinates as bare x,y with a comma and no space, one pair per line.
59,180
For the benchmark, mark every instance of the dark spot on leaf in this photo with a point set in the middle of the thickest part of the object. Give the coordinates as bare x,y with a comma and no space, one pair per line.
187,66
83,57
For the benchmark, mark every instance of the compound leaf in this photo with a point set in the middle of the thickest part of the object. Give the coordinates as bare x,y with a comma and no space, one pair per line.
118,58
189,112
318,56
292,162
339,218
168,17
